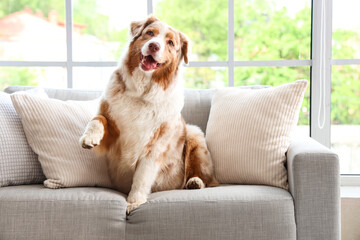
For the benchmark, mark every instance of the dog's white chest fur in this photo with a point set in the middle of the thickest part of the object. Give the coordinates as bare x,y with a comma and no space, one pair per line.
140,111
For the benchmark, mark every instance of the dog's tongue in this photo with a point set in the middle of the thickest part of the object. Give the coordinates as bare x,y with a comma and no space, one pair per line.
149,63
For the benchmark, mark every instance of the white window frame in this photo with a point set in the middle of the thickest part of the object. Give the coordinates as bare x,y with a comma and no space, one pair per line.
320,64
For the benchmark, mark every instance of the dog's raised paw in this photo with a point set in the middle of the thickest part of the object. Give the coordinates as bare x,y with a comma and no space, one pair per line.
93,134
89,142
195,183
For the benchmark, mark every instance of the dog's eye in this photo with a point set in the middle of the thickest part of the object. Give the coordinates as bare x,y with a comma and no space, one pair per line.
151,33
171,43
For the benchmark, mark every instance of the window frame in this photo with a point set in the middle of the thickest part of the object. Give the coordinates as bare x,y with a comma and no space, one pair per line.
320,64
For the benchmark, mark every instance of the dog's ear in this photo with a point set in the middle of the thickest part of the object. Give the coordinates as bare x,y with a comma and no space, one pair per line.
185,47
137,27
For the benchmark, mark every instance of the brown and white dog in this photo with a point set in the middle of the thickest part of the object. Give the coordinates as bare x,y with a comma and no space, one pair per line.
139,127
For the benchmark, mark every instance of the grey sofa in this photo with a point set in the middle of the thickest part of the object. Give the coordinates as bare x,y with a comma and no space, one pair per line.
309,210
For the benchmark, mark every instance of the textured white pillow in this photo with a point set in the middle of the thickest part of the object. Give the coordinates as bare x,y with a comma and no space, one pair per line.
53,128
248,133
18,163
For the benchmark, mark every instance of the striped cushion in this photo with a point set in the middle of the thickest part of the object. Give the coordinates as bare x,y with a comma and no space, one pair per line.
53,129
248,133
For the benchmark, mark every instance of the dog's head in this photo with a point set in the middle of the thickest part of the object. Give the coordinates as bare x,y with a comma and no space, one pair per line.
156,47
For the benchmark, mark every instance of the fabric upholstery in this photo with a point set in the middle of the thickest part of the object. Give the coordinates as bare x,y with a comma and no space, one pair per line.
225,212
18,163
198,103
314,180
248,133
53,129
196,106
61,94
35,212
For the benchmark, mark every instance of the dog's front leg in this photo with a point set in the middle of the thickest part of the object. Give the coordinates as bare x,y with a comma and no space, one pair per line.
144,177
94,132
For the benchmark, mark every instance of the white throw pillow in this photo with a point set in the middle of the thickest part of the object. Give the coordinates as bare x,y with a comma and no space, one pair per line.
248,133
18,163
53,128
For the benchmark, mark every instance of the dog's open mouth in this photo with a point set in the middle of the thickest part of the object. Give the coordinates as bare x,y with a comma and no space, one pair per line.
148,63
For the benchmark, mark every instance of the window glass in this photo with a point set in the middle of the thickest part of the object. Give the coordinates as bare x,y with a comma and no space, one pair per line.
52,77
32,30
101,27
95,78
345,117
205,77
204,22
346,29
272,30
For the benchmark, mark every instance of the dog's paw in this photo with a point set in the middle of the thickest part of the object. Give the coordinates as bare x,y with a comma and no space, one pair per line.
93,134
195,183
134,202
90,141
132,206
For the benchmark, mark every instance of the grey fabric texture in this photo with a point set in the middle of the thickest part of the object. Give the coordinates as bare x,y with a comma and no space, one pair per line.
224,212
18,163
198,103
314,179
196,106
35,212
61,94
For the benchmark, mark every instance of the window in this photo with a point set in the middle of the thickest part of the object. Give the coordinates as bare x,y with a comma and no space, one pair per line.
345,85
76,44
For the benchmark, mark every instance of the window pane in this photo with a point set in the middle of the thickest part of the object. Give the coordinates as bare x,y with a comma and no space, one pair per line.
272,30
194,77
204,22
95,78
274,76
100,29
52,77
345,116
205,77
346,29
32,30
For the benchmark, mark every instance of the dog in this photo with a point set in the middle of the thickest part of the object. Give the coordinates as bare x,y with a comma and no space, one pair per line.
139,127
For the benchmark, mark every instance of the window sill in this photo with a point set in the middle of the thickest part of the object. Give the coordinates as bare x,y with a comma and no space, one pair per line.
350,191
350,180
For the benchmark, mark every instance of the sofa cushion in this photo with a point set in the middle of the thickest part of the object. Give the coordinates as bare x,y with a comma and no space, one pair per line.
225,212
53,129
18,163
196,107
61,94
198,103
248,133
35,212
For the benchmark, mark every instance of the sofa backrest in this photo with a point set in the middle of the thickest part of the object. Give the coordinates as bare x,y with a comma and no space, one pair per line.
196,108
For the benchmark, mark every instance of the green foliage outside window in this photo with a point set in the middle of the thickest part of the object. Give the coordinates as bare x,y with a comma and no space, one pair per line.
262,32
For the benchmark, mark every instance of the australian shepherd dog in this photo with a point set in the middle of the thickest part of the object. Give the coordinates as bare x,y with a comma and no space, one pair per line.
139,127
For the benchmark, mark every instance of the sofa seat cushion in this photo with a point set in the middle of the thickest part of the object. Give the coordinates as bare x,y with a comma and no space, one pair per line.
224,212
35,212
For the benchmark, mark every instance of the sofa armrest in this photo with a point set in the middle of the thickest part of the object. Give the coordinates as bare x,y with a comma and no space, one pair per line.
314,181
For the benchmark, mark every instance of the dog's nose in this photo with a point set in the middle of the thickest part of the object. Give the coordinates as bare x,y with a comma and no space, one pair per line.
154,47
